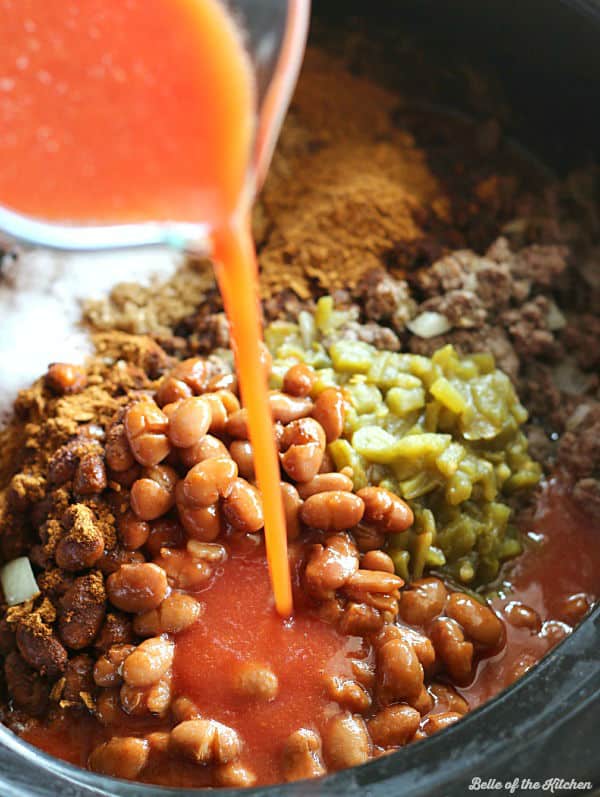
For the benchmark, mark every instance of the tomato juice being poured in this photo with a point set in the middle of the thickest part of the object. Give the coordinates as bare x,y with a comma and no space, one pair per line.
116,111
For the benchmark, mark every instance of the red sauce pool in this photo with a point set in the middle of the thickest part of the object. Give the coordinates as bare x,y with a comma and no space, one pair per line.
564,560
240,625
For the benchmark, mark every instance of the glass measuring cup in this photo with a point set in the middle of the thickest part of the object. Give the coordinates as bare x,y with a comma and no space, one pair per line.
274,33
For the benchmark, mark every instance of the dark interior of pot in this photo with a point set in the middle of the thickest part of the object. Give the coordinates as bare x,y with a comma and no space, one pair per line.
494,110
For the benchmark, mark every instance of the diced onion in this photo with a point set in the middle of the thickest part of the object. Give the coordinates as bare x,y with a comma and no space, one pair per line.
570,379
18,582
429,325
555,319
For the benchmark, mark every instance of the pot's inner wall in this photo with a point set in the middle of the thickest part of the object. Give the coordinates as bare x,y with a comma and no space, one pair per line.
531,65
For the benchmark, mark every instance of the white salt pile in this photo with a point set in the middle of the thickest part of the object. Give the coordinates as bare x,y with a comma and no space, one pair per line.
40,296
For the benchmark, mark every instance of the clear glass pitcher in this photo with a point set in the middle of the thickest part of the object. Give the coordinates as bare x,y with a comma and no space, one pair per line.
274,33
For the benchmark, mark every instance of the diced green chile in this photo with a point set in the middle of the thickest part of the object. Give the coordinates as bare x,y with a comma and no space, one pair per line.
443,432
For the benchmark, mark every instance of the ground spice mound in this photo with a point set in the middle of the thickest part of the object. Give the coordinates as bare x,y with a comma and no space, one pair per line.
44,422
345,185
156,308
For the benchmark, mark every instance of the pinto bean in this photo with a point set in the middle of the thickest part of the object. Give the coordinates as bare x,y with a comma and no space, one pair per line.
153,700
115,630
193,371
422,601
302,756
377,560
303,446
40,648
345,741
133,532
154,494
447,698
423,702
329,411
107,670
90,475
234,775
148,662
125,478
171,390
520,666
521,616
159,742
554,631
242,507
348,693
183,570
120,757
165,533
224,381
177,612
331,565
83,544
421,644
394,726
333,511
26,688
302,462
208,447
256,682
65,378
400,674
119,456
298,380
450,646
205,741
574,608
241,452
209,480
137,588
291,507
326,483
201,523
368,538
437,722
82,611
385,510
236,425
362,581
183,709
146,427
286,409
112,560
79,551
189,421
222,403
479,622
108,709
210,552
360,619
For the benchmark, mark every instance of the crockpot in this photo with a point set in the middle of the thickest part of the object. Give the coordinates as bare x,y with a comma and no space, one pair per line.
540,75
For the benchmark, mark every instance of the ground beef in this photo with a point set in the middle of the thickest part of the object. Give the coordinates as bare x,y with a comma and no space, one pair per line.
540,265
385,299
579,449
528,327
579,455
463,309
582,337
